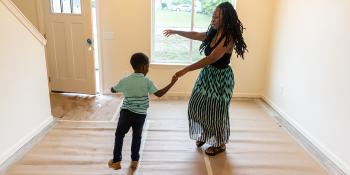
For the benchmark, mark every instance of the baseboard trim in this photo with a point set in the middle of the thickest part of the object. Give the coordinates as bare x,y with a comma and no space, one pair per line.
188,94
310,144
25,144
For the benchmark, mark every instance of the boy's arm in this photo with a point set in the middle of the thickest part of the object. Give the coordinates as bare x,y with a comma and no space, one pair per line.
118,87
161,92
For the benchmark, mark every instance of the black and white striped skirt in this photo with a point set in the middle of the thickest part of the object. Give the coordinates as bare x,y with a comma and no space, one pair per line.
209,104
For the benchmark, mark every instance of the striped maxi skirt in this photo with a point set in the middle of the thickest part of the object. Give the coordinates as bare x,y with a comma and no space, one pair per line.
209,104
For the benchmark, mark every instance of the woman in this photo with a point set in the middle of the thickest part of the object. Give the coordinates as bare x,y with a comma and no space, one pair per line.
209,103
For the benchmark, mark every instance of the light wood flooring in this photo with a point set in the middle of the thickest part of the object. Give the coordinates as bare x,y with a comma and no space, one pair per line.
258,146
84,107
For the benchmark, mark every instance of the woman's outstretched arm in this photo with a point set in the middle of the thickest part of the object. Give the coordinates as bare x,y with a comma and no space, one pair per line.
200,36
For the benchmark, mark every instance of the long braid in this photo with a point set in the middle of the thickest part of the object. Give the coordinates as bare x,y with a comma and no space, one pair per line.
211,32
232,30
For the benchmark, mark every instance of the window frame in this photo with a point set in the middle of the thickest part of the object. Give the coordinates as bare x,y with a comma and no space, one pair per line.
61,10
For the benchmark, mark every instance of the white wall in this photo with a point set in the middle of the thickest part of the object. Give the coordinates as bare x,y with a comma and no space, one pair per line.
257,17
308,78
24,93
130,21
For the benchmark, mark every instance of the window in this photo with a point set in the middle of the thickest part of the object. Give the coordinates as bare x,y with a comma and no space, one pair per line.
66,6
186,15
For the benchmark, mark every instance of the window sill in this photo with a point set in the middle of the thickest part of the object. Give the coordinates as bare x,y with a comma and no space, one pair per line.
168,65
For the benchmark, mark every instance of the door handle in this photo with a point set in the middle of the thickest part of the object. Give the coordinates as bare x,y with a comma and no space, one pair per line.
89,41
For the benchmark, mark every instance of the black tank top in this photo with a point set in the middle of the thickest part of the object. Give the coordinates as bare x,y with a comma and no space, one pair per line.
224,61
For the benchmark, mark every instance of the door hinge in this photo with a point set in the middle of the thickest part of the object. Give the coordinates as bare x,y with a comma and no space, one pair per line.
49,79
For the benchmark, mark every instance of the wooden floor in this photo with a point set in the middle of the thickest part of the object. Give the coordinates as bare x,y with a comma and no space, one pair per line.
84,107
258,146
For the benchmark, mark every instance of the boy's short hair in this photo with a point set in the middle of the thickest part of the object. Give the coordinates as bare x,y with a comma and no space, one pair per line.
138,59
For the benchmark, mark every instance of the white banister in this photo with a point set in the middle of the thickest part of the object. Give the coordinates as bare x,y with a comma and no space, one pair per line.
21,18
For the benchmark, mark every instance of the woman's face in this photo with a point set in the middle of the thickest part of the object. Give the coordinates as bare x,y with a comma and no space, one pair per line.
216,19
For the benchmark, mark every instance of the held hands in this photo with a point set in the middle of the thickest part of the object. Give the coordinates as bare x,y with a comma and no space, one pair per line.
180,73
173,80
169,32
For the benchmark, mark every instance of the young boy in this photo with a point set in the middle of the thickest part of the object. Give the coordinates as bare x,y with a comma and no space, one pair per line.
135,88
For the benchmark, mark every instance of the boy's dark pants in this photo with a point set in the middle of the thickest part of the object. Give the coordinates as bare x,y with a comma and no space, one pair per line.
128,119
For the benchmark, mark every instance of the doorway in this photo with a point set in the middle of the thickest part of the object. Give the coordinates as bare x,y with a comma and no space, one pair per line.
72,46
96,46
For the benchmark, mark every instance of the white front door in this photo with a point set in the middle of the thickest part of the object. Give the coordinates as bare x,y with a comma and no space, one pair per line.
69,46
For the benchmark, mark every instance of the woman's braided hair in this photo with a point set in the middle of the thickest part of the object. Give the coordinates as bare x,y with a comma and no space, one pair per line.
232,30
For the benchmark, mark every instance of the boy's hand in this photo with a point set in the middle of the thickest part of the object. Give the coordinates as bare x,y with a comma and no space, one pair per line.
112,90
161,92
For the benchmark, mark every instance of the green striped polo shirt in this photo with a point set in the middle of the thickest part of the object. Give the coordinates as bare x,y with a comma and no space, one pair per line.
136,88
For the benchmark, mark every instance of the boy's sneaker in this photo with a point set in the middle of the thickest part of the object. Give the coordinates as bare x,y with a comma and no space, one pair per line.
115,166
134,164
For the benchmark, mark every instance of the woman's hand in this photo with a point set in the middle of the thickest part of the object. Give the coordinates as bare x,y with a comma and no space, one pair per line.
174,79
169,32
180,73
